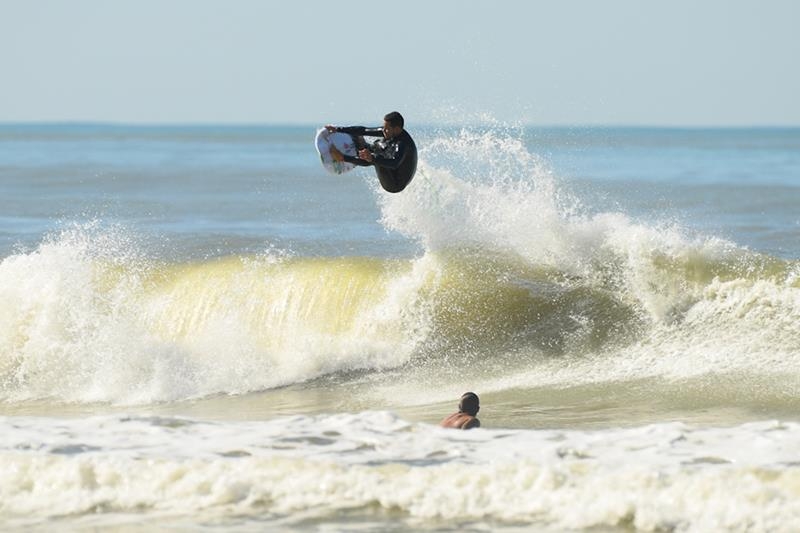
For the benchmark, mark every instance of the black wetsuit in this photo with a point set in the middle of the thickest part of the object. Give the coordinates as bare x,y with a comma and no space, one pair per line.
395,159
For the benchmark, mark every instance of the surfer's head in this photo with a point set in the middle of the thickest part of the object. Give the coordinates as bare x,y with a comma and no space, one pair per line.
393,124
469,404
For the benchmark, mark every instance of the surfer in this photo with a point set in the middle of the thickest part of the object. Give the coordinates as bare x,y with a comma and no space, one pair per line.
465,418
394,157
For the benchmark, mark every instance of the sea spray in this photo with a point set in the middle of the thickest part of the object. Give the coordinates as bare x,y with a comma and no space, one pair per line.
84,323
616,299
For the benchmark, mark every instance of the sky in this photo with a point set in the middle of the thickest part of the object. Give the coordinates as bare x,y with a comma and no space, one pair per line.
568,62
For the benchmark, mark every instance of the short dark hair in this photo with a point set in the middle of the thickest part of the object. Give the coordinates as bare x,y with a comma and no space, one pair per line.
394,119
469,403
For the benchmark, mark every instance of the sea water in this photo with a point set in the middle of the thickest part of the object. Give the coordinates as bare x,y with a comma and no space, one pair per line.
201,329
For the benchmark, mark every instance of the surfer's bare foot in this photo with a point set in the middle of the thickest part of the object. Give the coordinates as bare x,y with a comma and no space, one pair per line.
336,154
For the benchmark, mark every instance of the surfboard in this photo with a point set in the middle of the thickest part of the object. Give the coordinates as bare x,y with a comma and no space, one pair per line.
341,141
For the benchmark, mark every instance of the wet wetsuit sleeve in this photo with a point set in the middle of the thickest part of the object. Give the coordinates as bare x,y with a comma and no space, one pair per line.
357,161
361,130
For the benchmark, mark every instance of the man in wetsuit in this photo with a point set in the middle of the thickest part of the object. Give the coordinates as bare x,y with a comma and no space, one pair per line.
465,418
394,157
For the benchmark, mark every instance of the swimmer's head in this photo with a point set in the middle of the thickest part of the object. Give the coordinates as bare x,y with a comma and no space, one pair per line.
469,404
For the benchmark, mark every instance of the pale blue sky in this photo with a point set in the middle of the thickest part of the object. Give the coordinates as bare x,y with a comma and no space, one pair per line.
685,62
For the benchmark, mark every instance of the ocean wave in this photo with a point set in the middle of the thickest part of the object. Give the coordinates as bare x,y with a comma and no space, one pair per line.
516,277
86,320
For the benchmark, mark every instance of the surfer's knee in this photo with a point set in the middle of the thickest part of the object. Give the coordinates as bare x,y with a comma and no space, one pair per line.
393,189
392,184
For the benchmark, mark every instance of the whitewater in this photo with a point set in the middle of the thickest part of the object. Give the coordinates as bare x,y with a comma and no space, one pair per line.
201,329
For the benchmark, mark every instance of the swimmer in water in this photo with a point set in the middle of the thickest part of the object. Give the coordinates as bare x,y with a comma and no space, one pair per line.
465,418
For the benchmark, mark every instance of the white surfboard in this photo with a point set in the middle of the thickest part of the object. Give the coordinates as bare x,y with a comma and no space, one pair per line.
343,142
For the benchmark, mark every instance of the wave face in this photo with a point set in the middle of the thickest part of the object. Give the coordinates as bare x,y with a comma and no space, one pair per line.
515,277
87,322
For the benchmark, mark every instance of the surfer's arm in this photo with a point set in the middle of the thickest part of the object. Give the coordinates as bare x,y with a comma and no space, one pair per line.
360,131
357,161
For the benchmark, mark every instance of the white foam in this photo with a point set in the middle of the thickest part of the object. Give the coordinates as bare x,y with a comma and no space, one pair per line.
665,476
87,319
